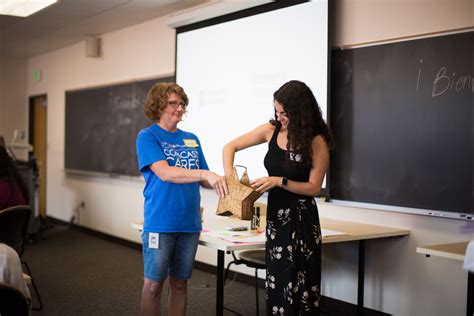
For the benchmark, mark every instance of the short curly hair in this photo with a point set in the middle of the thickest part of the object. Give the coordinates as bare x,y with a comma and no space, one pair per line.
157,99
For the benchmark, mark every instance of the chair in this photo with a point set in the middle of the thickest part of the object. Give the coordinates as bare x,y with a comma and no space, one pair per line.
253,259
12,301
13,230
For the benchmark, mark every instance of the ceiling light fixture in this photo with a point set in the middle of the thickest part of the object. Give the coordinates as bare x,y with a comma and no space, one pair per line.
23,8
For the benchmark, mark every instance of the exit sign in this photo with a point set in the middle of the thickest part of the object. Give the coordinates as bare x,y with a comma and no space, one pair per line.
37,75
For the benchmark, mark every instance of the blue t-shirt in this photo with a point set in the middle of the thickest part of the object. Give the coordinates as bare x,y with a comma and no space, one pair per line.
170,207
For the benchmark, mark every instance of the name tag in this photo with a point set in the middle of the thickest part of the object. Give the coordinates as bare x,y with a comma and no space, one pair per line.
192,143
153,240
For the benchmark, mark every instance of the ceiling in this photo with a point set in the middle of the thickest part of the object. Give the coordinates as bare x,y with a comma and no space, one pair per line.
71,21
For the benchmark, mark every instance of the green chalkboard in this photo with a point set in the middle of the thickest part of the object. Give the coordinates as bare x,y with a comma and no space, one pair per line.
402,116
101,126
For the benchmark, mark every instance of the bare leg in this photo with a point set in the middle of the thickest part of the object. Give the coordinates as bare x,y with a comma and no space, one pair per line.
177,297
150,304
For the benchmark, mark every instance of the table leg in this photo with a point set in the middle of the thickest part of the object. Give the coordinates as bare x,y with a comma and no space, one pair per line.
220,283
470,294
360,281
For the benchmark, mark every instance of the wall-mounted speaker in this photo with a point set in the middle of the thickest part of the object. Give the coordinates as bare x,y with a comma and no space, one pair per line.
93,47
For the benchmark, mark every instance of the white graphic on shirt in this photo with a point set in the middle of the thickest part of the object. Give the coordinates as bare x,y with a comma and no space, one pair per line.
181,156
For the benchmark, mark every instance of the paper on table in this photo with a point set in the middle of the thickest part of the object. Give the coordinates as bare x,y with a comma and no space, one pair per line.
329,233
247,239
469,258
250,237
244,236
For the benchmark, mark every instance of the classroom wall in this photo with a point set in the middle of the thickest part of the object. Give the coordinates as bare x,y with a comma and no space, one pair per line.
138,52
398,281
13,100
2,106
360,21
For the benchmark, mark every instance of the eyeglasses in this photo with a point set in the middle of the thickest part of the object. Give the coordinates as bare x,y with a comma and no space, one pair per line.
175,104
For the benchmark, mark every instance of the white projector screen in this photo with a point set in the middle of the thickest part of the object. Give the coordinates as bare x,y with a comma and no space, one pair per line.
230,71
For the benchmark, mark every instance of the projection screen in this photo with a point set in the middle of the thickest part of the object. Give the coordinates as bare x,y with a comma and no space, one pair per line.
230,70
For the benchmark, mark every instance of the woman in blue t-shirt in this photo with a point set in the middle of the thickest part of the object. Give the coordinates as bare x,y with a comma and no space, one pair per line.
174,167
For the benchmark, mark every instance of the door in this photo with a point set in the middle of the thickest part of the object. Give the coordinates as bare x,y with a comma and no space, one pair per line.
38,114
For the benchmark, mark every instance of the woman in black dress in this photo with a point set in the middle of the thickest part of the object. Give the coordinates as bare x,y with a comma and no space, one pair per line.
296,161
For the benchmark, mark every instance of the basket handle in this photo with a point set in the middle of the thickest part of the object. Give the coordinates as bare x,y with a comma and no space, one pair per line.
245,177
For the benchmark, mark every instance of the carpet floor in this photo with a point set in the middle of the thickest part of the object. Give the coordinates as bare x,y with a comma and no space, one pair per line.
81,274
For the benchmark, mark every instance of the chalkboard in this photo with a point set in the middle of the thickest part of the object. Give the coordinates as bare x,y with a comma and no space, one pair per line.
101,127
402,117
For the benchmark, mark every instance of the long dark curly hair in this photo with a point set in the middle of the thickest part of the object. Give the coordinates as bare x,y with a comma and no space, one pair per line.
9,173
305,120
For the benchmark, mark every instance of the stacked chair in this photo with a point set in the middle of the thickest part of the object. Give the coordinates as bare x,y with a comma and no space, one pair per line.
12,301
13,232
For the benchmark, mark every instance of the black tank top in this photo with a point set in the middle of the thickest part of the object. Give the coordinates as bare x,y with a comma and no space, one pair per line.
276,166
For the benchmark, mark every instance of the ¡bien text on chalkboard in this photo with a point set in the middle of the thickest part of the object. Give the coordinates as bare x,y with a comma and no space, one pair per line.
402,117
101,127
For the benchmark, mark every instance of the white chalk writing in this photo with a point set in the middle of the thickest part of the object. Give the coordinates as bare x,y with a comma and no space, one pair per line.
443,82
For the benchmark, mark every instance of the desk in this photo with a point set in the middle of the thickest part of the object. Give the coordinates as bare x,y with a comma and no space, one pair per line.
456,251
355,232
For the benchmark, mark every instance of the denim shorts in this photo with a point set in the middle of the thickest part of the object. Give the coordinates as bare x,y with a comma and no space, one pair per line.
174,256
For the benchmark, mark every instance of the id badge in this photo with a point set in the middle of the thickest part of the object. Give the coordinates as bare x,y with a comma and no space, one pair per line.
153,240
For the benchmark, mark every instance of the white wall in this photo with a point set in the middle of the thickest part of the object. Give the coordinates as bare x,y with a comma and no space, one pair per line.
142,51
3,115
13,100
398,281
361,21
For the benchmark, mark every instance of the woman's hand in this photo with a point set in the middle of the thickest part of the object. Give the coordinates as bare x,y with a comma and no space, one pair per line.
266,183
217,182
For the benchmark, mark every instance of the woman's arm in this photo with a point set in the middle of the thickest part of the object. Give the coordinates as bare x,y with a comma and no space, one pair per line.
257,136
171,174
211,180
312,187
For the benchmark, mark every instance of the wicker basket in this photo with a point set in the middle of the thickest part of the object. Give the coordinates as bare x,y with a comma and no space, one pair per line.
241,197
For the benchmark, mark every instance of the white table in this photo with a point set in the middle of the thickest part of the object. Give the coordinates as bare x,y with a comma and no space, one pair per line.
355,232
456,251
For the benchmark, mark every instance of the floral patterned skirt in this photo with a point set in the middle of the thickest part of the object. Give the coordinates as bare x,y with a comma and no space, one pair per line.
293,257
